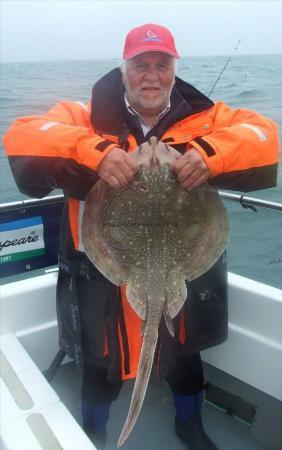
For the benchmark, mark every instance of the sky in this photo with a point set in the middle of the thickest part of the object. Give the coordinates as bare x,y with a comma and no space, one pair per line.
46,30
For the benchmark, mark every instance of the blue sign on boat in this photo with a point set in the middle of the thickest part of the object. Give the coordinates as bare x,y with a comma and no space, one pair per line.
29,236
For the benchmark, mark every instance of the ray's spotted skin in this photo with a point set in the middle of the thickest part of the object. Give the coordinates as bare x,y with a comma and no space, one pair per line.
151,236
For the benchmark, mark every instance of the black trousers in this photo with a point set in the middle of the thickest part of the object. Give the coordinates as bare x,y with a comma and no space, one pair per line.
185,378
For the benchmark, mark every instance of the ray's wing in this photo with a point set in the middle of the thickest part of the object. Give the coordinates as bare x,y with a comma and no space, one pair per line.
97,236
207,239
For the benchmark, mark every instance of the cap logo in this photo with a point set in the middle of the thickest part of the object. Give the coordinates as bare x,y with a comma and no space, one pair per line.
151,36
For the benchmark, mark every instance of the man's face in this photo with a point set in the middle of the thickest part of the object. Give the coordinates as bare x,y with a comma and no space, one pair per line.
148,79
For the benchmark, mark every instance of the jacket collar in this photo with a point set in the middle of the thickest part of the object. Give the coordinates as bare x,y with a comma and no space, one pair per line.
109,113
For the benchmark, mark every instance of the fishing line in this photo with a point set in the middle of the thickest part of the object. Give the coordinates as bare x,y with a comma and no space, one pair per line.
226,64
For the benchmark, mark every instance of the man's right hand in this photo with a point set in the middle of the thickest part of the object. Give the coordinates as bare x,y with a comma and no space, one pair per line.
117,168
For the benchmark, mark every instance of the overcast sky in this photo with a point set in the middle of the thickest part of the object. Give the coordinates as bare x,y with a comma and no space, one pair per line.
62,29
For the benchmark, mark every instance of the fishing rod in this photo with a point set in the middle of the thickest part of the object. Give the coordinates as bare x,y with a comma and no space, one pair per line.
224,68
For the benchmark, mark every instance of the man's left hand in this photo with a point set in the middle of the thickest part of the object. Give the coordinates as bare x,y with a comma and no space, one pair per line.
191,169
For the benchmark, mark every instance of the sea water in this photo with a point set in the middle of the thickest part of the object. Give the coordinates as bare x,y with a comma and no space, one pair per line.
252,82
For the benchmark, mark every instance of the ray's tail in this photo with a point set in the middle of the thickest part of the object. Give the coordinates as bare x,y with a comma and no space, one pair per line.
143,374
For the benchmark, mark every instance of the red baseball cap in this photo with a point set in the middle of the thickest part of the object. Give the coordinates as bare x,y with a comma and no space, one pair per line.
149,38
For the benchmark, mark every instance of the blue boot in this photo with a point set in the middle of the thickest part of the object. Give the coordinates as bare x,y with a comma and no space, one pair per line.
188,422
94,420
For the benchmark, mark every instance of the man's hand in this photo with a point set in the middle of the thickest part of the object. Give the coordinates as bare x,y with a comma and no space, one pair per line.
191,169
117,168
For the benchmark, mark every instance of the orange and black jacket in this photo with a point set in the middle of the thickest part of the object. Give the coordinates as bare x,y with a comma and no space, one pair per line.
63,149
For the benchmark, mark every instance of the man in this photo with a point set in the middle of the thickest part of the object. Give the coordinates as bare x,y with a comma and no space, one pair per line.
74,145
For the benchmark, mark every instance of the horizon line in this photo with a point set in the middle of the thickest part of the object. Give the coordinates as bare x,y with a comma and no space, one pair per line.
120,59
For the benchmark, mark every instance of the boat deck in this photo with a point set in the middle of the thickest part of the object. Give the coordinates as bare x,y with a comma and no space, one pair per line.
154,428
243,376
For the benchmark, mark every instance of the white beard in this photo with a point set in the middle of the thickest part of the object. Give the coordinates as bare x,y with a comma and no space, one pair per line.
137,100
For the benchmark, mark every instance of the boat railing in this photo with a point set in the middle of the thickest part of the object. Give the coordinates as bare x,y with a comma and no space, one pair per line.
31,202
243,199
250,202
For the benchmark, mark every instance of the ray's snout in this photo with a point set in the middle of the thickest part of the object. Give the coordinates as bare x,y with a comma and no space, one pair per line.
154,154
155,161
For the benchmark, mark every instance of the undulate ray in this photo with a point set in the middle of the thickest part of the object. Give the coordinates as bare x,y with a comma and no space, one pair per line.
152,236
